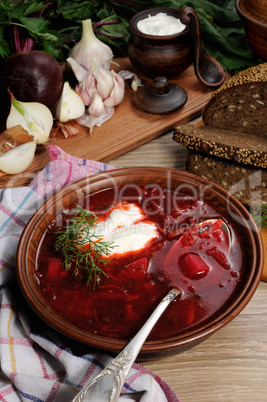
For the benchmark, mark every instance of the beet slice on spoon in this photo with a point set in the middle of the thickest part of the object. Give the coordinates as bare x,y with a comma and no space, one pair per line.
203,250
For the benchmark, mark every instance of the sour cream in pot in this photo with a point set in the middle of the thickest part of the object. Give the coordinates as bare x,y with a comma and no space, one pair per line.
160,24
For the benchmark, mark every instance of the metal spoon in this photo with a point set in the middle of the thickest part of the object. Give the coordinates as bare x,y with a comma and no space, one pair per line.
107,385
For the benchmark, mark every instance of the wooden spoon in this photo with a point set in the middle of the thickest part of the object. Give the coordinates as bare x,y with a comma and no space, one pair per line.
208,70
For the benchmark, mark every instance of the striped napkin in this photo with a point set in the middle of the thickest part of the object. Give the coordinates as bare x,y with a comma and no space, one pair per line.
36,362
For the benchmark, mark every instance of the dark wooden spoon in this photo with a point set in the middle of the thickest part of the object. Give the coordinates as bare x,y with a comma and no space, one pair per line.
208,70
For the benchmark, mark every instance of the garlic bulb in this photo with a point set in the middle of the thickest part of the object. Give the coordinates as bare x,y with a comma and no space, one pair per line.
91,48
18,159
34,117
70,105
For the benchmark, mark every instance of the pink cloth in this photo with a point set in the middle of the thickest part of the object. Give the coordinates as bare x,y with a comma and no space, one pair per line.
36,362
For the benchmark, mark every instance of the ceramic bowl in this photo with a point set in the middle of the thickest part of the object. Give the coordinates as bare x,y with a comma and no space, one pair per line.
228,206
254,16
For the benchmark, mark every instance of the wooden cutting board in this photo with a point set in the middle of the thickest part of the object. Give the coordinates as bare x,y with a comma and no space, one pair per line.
128,128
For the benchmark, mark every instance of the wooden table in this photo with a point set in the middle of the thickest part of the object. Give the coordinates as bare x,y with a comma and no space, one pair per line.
231,365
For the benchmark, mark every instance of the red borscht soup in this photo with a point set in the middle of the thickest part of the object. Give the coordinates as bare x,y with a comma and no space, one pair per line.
157,242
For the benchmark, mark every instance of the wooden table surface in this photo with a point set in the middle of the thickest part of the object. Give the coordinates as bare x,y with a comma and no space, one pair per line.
231,365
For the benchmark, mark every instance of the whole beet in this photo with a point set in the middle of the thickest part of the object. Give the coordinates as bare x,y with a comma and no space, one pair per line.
32,76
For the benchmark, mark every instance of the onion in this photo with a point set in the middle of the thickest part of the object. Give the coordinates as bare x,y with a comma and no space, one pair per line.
32,76
13,137
34,117
18,159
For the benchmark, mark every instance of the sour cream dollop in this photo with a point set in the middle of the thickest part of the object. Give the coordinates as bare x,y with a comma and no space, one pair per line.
160,24
126,228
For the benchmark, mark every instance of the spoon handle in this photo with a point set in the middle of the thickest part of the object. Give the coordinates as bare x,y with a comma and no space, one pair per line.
107,385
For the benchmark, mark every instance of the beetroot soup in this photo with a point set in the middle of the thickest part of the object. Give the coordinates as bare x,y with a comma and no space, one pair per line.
142,225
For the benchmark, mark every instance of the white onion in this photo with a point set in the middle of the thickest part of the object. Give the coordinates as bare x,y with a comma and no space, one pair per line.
18,159
34,117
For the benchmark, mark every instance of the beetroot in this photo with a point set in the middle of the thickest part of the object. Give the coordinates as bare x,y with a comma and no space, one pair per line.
32,76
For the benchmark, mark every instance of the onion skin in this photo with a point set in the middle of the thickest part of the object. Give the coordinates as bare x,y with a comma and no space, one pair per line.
32,76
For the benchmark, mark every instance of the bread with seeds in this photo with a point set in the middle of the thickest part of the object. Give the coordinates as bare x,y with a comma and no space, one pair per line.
240,104
247,183
232,145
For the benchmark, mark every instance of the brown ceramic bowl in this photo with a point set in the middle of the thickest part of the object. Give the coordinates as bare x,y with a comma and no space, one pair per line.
254,16
228,206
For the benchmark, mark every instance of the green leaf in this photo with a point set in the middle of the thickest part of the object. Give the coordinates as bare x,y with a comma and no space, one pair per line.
32,7
36,25
22,9
4,46
77,11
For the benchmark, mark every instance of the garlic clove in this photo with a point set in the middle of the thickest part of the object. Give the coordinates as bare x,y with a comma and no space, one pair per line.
87,88
97,106
78,70
117,93
70,105
18,159
90,121
129,75
90,48
104,81
34,117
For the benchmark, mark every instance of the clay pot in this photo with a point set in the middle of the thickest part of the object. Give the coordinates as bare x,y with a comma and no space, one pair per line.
153,55
170,55
253,13
258,8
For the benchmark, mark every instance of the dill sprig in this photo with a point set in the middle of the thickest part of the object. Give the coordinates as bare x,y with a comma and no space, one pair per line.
79,245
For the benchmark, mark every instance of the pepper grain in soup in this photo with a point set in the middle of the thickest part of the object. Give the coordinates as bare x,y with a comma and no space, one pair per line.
139,274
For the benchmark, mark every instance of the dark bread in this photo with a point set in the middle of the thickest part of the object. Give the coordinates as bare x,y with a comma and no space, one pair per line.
240,104
232,145
247,183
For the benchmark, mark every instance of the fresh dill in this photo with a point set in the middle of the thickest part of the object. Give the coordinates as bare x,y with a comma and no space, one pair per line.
80,247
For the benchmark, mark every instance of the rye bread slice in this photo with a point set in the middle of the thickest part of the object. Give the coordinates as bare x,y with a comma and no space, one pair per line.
247,183
227,144
240,104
